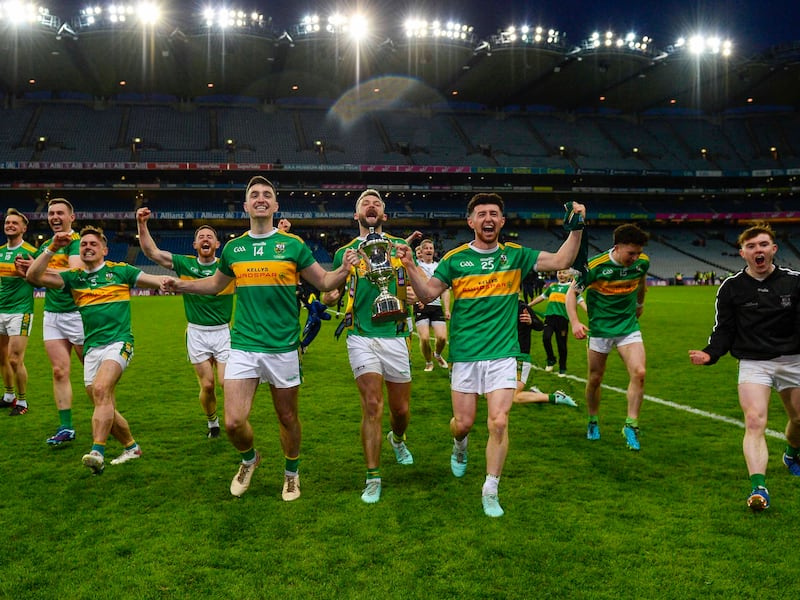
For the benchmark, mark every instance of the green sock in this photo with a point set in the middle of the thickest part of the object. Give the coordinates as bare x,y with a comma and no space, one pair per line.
65,416
131,446
212,417
758,480
792,452
249,456
592,418
632,422
373,473
98,447
292,464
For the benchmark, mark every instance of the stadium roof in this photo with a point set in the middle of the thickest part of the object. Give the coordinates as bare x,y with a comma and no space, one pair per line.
503,72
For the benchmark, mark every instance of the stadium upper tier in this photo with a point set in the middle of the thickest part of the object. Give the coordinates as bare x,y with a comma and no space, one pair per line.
195,61
290,135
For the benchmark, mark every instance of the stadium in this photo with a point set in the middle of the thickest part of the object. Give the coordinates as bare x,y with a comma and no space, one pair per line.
116,107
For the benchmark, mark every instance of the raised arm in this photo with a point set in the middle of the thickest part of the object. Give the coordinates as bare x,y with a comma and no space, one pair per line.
566,254
147,243
426,289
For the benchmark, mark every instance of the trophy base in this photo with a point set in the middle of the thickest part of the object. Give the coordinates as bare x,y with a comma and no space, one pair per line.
388,309
386,317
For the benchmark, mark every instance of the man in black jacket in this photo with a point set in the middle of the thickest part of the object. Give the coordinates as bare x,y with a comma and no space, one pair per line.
758,322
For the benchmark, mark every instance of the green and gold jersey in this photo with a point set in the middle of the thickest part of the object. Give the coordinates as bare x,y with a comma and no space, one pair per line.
103,298
360,294
267,271
16,294
556,295
610,291
485,286
60,301
202,309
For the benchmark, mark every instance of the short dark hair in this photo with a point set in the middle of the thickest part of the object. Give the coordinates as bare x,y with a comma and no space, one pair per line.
92,230
755,230
629,233
484,198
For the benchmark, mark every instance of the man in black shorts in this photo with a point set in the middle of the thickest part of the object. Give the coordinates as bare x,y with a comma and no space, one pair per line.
434,315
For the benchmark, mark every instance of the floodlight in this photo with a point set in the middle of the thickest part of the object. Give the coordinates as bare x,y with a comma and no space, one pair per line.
359,27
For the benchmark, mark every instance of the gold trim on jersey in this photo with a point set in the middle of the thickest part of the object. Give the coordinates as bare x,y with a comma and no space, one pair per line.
266,273
499,283
103,295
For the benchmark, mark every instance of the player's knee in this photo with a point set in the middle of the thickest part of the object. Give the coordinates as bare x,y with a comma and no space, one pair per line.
460,426
498,424
60,372
373,406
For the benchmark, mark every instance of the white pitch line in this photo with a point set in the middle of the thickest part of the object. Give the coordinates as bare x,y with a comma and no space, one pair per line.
690,409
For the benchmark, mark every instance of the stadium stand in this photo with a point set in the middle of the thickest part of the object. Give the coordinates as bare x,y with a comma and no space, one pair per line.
432,123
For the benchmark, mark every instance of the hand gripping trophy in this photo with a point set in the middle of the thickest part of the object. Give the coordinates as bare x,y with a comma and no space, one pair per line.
376,251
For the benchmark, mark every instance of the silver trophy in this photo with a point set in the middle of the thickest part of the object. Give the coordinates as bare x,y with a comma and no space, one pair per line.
376,251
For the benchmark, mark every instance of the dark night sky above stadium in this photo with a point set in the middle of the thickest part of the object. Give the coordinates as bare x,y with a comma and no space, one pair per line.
754,25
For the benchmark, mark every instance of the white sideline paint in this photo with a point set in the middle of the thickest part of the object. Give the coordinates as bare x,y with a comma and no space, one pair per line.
690,409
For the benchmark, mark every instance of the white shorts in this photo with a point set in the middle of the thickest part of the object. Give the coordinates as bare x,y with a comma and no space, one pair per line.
204,342
63,326
16,324
780,373
606,345
523,370
484,376
120,352
388,357
279,370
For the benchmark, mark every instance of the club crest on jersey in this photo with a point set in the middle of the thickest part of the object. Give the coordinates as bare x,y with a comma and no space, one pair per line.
109,276
503,259
786,301
280,248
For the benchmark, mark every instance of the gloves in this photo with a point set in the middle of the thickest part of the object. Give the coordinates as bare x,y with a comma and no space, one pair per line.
316,314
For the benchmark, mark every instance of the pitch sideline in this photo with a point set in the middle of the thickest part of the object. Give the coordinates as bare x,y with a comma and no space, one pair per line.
690,409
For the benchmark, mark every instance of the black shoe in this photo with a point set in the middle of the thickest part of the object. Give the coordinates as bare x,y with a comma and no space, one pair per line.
213,433
18,410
